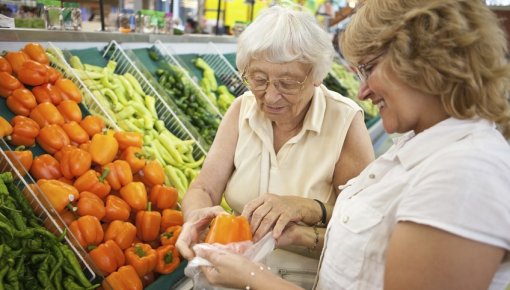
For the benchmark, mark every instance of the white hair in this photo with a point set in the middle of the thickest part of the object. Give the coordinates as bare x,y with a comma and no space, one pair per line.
286,34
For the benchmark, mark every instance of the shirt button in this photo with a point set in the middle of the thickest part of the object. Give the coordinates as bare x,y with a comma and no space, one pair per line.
371,176
345,219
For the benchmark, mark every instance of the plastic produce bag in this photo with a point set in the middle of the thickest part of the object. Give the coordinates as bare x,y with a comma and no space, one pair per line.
253,251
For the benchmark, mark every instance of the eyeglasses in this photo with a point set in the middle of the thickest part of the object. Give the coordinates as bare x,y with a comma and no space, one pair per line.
284,86
363,70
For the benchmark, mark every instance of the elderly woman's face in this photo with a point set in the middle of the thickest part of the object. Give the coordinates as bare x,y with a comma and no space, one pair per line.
288,92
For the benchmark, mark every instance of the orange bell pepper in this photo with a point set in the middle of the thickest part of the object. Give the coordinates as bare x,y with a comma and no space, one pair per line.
171,217
45,166
168,259
108,257
147,224
123,233
36,52
5,65
119,175
94,182
228,228
21,159
53,74
142,257
58,155
135,195
85,146
5,128
70,110
163,197
76,133
87,230
69,90
21,102
58,193
47,93
103,148
135,157
46,114
170,235
74,162
153,173
52,138
8,83
33,73
90,204
116,209
92,125
24,131
127,139
68,216
125,278
16,59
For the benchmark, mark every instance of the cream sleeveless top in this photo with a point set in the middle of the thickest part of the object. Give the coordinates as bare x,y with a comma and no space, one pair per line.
304,165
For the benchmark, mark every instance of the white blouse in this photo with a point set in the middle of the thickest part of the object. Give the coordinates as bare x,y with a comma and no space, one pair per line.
454,176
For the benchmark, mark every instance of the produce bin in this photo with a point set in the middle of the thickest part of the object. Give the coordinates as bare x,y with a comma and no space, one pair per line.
44,211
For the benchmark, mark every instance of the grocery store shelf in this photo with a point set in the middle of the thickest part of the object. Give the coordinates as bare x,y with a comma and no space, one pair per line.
19,34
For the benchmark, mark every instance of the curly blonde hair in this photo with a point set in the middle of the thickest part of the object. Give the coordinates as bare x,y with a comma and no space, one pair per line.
452,49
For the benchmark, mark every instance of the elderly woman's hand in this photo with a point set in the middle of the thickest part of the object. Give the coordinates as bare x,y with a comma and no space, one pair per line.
193,229
271,210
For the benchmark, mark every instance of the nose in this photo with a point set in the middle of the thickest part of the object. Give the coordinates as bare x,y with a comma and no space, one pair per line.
364,91
271,94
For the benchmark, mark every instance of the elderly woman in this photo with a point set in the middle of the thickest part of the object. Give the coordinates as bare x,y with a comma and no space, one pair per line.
433,212
283,147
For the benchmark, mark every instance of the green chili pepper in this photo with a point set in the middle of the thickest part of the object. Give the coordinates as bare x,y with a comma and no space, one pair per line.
3,271
59,260
57,279
21,201
72,267
30,282
42,274
14,214
12,279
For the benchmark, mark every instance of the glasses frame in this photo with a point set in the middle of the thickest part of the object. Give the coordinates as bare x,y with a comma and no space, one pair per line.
276,83
361,71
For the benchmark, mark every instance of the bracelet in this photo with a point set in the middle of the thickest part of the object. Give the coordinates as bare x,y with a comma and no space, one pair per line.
261,268
316,242
322,222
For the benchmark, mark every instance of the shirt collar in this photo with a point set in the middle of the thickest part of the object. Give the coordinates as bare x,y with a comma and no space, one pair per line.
437,137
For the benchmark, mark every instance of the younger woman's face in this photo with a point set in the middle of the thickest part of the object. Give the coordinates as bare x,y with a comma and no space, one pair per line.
402,108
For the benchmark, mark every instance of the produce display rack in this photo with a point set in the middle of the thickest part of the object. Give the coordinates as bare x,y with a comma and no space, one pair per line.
44,210
166,110
24,181
89,101
227,74
172,58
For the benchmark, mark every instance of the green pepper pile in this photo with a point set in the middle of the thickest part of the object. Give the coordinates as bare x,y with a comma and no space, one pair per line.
31,257
187,98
